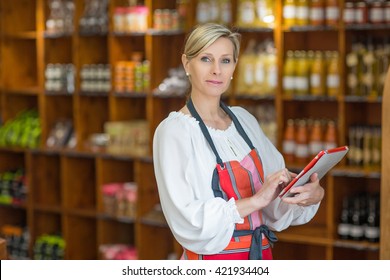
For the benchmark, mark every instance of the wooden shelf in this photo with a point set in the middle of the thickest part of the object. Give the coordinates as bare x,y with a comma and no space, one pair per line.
64,191
306,235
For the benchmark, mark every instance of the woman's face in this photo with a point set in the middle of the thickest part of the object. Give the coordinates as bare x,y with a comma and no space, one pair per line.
211,71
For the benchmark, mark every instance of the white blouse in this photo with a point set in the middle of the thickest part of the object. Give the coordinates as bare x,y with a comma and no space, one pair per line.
184,163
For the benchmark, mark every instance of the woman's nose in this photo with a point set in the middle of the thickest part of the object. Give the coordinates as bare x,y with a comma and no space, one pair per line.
216,68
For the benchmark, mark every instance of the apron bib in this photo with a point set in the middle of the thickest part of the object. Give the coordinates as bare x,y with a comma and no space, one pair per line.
238,179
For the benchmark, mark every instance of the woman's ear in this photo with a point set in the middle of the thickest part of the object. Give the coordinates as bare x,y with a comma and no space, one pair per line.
184,60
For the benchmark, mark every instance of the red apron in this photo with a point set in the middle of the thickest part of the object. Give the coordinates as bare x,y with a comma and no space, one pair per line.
251,239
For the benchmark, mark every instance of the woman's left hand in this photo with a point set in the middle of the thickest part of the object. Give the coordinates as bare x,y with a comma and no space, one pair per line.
308,194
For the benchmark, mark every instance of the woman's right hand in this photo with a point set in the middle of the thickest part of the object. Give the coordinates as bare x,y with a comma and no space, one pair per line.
272,186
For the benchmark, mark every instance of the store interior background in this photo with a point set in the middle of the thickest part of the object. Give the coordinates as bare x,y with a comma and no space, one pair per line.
84,84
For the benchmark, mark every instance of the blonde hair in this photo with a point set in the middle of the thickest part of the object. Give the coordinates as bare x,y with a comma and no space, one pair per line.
206,34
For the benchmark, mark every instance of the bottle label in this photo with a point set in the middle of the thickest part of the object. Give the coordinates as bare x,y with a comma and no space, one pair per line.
357,231
289,12
288,83
352,80
273,76
332,81
247,12
316,14
332,13
301,151
344,229
248,74
259,72
315,80
302,13
372,232
288,146
302,83
349,16
315,147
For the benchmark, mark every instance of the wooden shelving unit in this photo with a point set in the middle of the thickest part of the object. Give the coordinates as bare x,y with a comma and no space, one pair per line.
64,186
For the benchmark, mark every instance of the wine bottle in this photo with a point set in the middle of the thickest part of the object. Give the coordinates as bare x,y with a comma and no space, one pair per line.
344,226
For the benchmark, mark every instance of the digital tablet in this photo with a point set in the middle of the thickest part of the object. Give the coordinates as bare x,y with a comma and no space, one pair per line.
321,164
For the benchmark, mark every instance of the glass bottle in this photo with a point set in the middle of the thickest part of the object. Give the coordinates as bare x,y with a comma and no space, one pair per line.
359,146
302,73
289,13
302,12
367,147
352,62
289,141
318,75
369,69
316,140
383,55
289,74
330,139
331,12
332,79
317,13
246,13
372,230
301,143
357,227
344,226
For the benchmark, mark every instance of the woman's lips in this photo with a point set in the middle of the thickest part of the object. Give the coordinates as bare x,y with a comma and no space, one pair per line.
214,82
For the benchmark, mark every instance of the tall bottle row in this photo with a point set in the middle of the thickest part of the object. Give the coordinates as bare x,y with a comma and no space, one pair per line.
84,84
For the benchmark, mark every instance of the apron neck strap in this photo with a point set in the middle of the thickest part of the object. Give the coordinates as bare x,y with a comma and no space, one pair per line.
238,125
204,129
194,113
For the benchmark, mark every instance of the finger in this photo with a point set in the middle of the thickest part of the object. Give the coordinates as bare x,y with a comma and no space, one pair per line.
314,177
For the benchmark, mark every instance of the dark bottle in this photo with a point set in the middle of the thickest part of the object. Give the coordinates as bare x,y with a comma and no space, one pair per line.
372,230
344,227
357,227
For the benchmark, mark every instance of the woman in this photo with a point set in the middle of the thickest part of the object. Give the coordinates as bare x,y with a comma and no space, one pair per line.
218,175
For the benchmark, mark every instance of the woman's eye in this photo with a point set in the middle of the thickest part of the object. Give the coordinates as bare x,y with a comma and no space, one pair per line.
226,60
205,59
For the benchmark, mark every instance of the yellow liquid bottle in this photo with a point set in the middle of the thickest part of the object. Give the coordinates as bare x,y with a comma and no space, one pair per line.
318,75
289,74
289,13
333,75
302,73
302,12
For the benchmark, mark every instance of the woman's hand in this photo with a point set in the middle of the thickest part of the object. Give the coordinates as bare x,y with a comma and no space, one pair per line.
308,194
272,186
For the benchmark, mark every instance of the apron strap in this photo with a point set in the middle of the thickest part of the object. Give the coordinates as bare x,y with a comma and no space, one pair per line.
240,129
238,125
204,129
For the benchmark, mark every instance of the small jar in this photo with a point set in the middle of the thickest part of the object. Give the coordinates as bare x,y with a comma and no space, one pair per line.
361,14
349,13
387,12
376,13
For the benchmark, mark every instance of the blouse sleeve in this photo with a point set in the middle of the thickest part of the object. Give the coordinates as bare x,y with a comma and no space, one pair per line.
277,215
204,226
